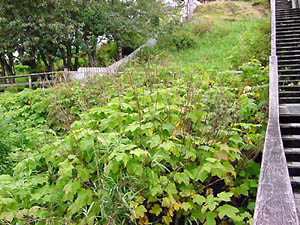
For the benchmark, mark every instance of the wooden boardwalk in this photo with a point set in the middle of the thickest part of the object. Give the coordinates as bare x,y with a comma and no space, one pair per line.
280,171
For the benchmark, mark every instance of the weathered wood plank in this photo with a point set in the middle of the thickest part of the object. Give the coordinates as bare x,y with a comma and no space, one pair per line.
33,74
275,203
28,83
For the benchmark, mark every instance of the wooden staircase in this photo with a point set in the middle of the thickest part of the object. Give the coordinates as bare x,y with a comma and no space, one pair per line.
278,195
288,53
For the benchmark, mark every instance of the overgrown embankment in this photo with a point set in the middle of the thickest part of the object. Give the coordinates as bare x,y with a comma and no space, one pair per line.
165,144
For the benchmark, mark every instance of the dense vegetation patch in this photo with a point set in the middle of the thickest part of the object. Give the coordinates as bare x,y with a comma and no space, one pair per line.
165,147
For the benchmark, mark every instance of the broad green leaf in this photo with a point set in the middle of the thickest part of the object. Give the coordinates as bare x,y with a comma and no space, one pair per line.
181,178
211,202
139,152
225,196
147,126
156,209
157,189
134,167
65,169
168,127
140,211
155,141
71,189
227,210
83,173
242,189
199,199
210,218
171,189
85,197
87,146
123,157
167,219
39,179
186,206
168,201
132,127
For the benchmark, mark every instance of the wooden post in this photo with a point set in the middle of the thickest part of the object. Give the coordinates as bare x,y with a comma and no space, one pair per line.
30,81
66,74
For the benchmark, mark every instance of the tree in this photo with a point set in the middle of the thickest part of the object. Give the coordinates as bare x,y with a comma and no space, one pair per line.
61,29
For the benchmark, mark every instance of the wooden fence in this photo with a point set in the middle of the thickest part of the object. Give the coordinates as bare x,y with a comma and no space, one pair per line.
34,79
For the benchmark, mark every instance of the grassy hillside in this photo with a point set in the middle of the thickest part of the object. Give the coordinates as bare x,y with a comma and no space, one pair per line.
222,36
172,141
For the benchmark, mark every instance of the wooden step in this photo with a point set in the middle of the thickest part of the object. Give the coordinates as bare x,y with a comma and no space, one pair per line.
291,66
292,154
291,71
289,100
295,28
282,40
289,94
287,18
289,87
295,181
280,36
294,168
289,76
290,25
288,32
289,118
285,44
283,62
285,82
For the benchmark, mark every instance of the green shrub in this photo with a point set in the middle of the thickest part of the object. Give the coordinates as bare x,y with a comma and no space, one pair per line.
106,54
200,27
161,148
257,47
182,40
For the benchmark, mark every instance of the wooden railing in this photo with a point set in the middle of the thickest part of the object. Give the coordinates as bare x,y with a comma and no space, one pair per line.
275,204
42,79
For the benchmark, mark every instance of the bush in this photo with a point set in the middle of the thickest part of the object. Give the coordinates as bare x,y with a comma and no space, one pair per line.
106,54
258,47
200,27
182,40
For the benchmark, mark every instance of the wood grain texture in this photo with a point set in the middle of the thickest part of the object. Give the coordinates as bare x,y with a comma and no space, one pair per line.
275,203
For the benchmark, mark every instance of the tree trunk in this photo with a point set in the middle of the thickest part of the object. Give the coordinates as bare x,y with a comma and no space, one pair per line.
69,57
92,54
63,55
119,49
92,59
8,67
76,65
50,63
3,81
45,61
51,60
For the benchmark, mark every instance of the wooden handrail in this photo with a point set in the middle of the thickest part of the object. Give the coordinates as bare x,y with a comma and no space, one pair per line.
275,204
32,74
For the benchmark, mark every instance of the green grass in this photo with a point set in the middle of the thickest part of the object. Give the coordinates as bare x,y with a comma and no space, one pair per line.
213,50
219,33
